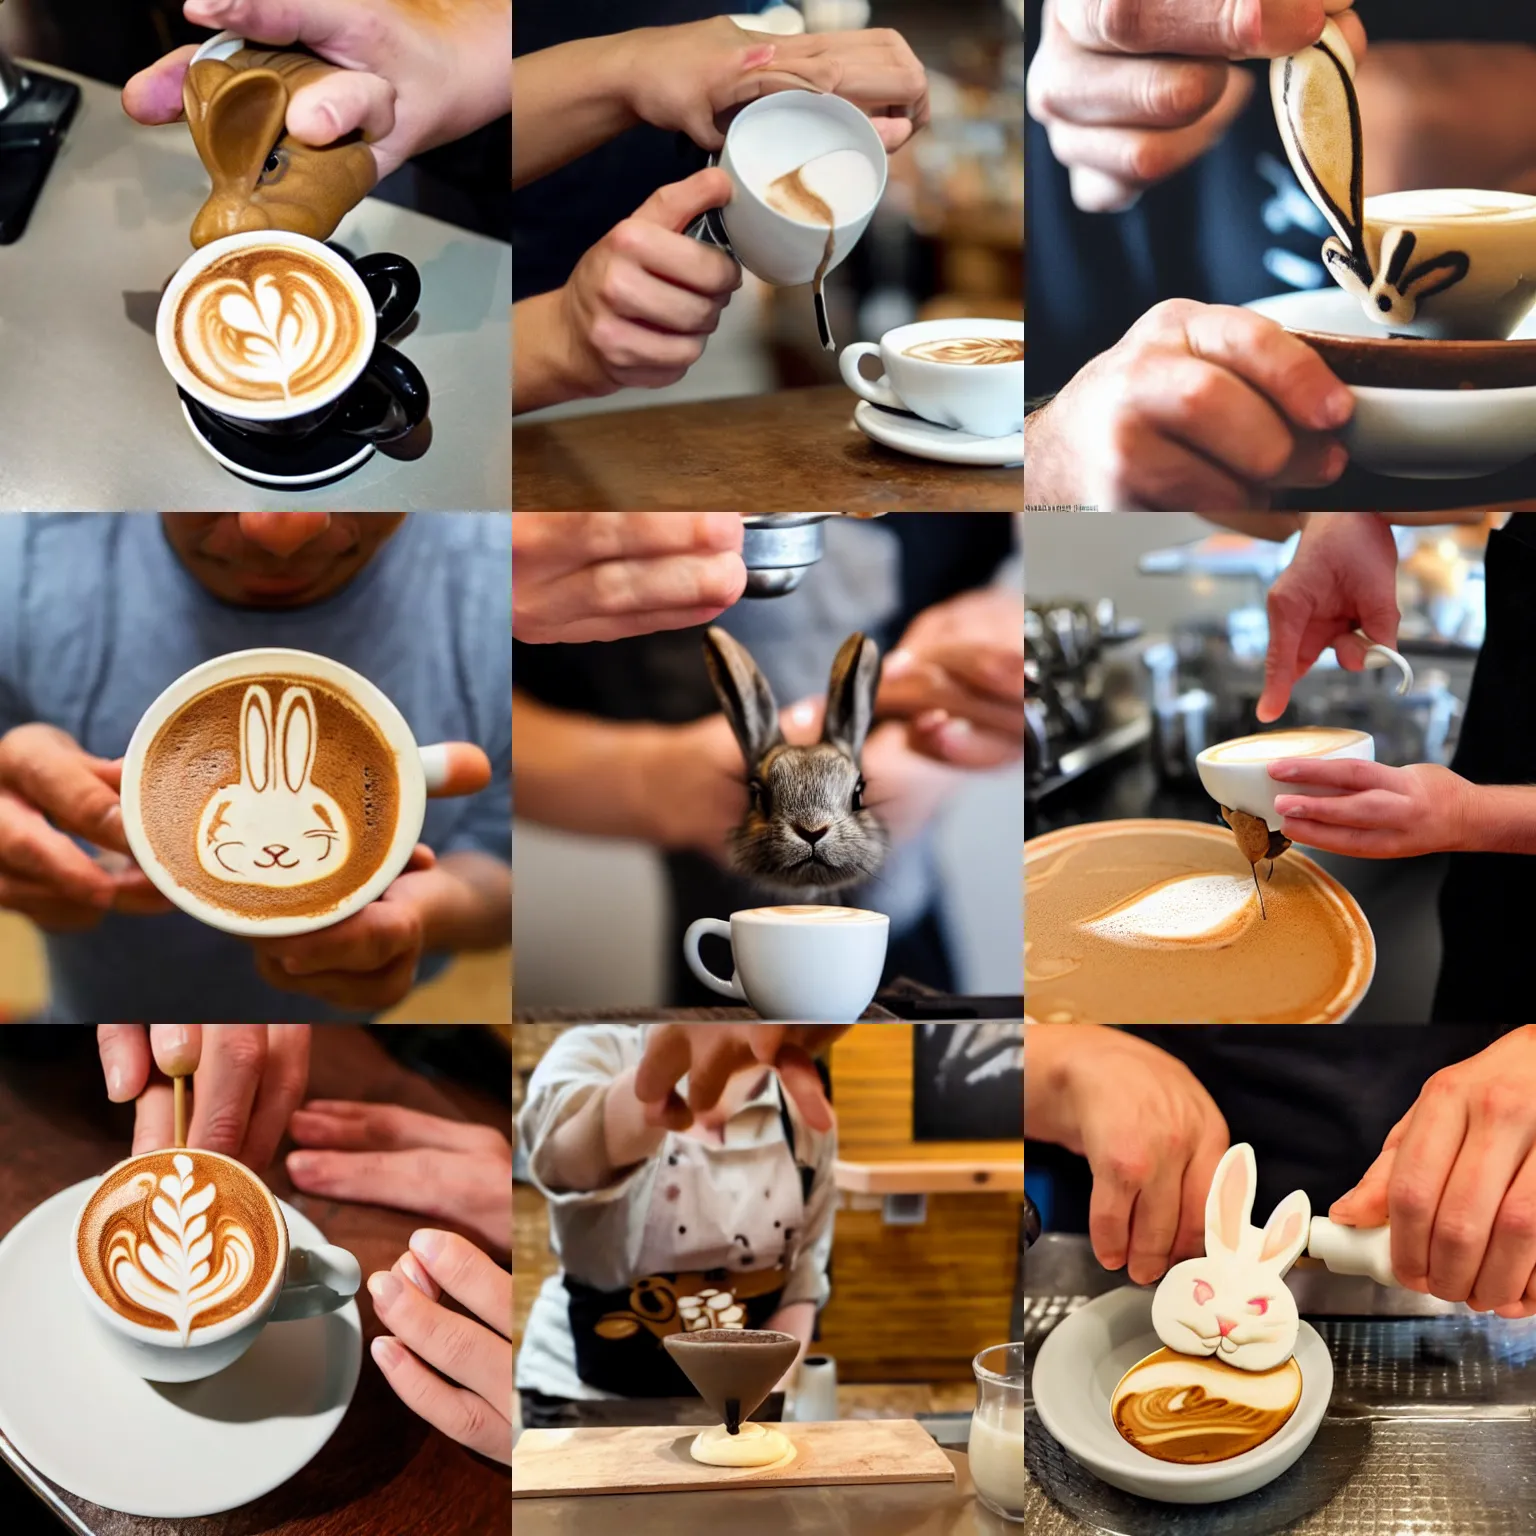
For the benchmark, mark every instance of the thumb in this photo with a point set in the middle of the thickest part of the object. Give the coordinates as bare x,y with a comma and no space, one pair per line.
678,204
153,96
469,771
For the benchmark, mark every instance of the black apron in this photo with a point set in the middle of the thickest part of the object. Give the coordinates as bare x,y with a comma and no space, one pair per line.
1487,899
618,1334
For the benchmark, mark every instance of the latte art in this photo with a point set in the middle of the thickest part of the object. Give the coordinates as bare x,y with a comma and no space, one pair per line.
270,324
1301,741
970,351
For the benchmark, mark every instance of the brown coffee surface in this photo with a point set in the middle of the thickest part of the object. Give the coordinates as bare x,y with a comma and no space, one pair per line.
1092,892
968,351
197,752
269,323
1213,1412
177,1240
823,914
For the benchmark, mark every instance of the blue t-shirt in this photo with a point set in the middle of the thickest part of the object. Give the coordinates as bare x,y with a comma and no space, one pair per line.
97,616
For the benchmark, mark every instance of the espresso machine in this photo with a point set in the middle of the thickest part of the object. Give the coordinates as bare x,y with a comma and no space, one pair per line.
35,111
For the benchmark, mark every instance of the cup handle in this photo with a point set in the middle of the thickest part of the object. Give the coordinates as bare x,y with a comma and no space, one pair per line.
1384,655
390,400
876,391
696,931
393,284
319,1280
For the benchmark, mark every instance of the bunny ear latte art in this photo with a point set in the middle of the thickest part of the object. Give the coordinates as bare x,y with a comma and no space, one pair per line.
270,797
1226,1380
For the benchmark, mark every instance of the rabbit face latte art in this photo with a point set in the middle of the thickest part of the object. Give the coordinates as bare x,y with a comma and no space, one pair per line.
808,827
180,1240
270,797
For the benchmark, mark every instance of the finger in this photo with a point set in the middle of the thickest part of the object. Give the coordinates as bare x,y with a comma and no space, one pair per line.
422,1180
124,1052
367,941
458,1413
1468,1250
716,1055
1366,1204
358,1127
1155,1223
1094,192
472,1279
1425,1157
1190,1239
153,96
367,992
545,543
464,1350
960,744
225,1084
280,1087
1217,414
35,852
1356,842
408,1269
1168,475
1289,612
177,1048
1368,809
798,1074
893,131
137,895
675,206
1114,91
154,1119
1338,773
1316,459
1228,29
1109,1217
1508,1274
469,771
634,293
648,358
51,774
342,102
666,1057
609,591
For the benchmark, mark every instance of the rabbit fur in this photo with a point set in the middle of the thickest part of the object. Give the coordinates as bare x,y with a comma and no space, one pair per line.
807,828
263,177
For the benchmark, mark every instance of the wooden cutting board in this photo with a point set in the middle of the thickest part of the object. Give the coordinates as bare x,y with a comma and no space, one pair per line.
653,1458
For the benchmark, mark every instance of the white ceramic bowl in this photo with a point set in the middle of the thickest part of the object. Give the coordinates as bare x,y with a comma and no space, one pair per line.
1081,1362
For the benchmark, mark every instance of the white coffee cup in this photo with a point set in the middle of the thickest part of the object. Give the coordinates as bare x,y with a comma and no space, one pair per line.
306,1282
771,137
420,769
1236,773
814,964
986,400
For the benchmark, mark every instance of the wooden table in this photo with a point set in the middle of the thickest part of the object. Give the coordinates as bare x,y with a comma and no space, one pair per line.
385,1472
794,451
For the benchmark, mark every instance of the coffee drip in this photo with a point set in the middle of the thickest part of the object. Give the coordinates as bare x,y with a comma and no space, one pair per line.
1256,842
788,194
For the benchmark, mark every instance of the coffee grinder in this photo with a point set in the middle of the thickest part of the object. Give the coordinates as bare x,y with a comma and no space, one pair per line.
35,110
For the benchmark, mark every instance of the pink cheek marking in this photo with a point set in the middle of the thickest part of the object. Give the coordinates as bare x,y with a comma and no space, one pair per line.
1203,1293
1260,1304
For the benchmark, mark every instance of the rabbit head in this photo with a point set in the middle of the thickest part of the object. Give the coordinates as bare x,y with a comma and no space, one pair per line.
264,178
274,828
1392,294
1234,1303
807,827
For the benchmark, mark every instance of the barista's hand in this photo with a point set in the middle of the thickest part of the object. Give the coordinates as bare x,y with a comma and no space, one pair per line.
246,1080
643,302
51,789
582,576
1151,1133
1389,813
1457,1180
1199,408
1343,577
957,677
710,1054
689,77
1131,93
411,76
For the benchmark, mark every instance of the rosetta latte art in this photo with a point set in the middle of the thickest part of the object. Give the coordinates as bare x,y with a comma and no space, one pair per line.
973,351
186,1265
269,324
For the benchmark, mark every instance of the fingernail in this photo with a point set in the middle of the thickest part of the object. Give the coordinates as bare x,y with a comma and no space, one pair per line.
955,733
383,1287
1336,462
721,530
428,1242
803,713
300,1165
896,662
114,1080
385,1350
1287,805
1279,771
1338,407
413,1272
291,965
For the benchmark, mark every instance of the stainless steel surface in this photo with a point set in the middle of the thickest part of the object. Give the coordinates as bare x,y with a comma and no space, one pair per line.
91,419
10,81
1431,1430
778,550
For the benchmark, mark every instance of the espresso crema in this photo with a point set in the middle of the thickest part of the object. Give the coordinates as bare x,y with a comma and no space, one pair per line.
270,324
968,351
180,1240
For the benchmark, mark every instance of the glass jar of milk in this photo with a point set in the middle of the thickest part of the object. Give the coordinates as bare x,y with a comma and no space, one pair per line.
997,1430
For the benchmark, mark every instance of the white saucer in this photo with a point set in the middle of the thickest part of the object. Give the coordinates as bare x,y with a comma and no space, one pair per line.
1417,434
172,1452
1080,1364
927,440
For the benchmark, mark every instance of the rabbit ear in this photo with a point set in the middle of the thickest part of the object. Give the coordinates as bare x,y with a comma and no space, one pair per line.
199,87
1286,1231
298,735
851,694
244,121
1229,1205
257,765
744,694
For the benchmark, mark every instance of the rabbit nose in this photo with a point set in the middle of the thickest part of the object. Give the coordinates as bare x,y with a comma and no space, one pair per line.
812,835
277,850
1226,1324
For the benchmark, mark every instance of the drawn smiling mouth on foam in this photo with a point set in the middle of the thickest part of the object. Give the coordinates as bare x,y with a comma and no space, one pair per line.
1209,910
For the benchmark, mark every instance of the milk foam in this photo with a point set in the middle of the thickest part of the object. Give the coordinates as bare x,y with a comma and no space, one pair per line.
1195,909
1449,203
1265,746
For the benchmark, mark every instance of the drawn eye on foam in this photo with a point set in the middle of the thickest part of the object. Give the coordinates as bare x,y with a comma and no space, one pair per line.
274,827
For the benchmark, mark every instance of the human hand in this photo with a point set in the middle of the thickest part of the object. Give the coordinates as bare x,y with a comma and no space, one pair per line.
384,1154
410,76
1343,577
246,1080
581,576
51,787
957,677
643,302
1457,1180
1152,1136
474,1404
710,1054
1129,94
1198,407
687,77
1386,813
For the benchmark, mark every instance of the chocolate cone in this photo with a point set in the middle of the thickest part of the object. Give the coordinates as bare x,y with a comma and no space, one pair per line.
733,1369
